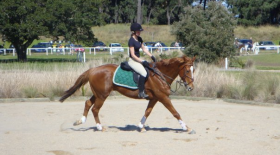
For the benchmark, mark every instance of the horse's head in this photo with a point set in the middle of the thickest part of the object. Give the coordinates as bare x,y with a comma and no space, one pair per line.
186,72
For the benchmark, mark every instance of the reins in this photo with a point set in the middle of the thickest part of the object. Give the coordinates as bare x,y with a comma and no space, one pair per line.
162,76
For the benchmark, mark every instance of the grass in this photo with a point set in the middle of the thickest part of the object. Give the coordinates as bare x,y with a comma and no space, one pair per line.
264,61
42,57
121,33
50,80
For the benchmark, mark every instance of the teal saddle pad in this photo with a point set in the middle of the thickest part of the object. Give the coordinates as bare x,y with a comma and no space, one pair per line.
124,78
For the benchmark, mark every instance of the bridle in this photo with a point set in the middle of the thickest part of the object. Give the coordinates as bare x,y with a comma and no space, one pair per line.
180,82
183,82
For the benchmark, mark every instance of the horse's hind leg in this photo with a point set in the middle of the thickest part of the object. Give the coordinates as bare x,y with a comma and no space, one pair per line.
147,113
88,105
95,110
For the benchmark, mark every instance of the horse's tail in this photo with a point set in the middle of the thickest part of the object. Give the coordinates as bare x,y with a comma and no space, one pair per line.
82,80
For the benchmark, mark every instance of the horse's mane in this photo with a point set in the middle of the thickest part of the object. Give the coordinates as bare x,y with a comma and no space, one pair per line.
179,60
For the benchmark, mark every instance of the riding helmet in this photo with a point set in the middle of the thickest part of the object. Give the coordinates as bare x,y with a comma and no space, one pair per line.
136,27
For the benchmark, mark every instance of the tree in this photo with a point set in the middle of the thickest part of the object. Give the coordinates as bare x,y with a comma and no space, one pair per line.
139,12
128,11
256,12
208,34
170,9
24,21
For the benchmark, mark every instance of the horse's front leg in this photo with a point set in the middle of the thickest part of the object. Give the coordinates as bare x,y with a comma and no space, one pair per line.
146,115
167,103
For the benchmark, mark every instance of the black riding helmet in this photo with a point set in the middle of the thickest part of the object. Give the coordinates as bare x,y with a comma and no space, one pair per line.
136,27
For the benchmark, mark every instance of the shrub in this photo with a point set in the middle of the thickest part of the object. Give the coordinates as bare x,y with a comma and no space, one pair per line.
249,64
206,33
236,62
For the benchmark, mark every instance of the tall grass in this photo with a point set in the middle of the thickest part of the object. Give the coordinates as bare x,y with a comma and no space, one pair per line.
248,85
51,80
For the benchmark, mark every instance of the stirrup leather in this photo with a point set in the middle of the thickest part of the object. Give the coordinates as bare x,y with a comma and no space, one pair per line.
143,95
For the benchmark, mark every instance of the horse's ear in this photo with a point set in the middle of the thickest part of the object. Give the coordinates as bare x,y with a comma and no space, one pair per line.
183,59
193,58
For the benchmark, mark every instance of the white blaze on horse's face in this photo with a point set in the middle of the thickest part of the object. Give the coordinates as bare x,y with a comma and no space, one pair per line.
191,68
187,75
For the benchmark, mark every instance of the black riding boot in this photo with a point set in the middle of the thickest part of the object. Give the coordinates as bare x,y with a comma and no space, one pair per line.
141,86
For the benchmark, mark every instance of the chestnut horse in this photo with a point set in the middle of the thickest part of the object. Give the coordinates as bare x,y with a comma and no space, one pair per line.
157,87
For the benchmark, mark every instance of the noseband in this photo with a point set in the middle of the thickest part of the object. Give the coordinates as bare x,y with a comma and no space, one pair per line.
182,80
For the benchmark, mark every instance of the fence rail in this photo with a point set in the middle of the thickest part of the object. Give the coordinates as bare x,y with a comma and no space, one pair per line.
257,50
94,50
111,50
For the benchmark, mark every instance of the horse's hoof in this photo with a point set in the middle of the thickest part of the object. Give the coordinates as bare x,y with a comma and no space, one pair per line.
78,122
103,129
143,130
191,132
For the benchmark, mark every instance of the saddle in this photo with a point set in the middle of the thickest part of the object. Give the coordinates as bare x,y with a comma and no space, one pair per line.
125,66
125,76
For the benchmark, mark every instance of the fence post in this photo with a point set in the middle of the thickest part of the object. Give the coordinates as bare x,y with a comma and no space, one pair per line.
226,63
84,53
257,50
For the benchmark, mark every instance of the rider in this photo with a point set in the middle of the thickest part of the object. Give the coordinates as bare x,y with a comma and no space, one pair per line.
135,62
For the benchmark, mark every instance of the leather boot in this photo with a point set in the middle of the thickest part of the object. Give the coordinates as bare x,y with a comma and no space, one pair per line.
141,86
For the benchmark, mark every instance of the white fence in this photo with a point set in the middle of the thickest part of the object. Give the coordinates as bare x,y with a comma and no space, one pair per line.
257,49
8,49
111,50
95,50
89,50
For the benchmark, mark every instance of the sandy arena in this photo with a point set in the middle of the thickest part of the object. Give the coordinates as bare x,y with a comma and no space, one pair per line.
45,128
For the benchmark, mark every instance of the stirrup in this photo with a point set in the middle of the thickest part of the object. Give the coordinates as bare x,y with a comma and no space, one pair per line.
143,95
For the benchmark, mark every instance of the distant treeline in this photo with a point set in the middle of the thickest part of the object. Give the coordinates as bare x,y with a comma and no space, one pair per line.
248,12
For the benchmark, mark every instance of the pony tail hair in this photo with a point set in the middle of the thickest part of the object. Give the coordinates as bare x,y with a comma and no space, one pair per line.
82,80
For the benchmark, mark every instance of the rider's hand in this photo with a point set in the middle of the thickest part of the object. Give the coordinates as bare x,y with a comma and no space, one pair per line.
145,63
153,58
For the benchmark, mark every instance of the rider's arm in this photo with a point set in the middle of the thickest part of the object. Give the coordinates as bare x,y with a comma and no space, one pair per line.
132,53
146,50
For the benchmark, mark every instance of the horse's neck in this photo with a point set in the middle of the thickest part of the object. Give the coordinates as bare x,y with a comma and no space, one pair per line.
169,71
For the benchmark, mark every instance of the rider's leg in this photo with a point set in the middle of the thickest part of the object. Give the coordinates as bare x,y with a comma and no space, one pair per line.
141,86
139,68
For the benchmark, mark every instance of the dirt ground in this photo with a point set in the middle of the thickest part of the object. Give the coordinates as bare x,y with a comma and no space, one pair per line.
39,128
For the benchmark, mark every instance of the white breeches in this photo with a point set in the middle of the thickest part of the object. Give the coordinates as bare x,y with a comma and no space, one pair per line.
138,67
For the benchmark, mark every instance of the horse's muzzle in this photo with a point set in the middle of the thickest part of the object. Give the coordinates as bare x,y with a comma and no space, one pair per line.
188,87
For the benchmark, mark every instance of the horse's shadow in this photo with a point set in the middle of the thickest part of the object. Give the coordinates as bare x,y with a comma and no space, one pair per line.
130,128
